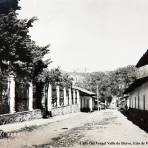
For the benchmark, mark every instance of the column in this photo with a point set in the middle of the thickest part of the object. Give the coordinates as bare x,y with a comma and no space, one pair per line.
65,98
58,95
74,96
70,96
30,94
43,97
11,95
78,98
129,102
90,104
49,99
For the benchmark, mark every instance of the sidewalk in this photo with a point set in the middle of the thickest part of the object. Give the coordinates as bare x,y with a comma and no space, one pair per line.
38,122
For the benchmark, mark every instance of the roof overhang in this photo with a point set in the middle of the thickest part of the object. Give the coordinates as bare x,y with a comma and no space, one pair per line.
136,84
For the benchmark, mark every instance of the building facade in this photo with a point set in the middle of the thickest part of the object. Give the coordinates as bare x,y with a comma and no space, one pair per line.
138,90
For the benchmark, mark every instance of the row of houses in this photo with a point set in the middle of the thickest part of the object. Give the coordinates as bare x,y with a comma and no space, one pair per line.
136,99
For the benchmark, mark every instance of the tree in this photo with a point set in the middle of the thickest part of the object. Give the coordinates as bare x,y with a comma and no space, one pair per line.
56,77
110,84
19,54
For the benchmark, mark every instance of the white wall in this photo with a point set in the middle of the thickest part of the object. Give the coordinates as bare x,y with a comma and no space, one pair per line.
141,92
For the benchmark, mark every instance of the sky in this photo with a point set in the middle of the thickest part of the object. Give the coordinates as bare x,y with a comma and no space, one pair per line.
90,35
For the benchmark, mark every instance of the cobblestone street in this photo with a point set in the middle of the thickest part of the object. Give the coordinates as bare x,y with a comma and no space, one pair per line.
107,129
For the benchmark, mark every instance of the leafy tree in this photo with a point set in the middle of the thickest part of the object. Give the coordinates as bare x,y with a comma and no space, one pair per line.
55,76
19,54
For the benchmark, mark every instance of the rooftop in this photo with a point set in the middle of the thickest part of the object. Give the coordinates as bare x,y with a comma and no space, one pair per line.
136,84
143,61
90,93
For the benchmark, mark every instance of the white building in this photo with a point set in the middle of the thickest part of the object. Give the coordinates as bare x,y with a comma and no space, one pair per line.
138,90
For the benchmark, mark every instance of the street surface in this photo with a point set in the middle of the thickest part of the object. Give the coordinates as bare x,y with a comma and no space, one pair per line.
103,129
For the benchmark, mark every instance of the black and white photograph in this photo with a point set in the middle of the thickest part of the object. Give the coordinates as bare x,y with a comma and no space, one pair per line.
73,73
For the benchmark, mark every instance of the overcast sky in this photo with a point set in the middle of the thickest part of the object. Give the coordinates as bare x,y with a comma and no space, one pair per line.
91,35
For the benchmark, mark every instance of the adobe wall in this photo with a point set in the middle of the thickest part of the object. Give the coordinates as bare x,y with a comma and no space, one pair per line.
65,110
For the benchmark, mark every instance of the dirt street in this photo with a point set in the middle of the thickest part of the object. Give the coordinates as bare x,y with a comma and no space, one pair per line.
103,129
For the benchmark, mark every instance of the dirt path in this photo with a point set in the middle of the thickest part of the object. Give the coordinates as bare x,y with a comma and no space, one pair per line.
106,129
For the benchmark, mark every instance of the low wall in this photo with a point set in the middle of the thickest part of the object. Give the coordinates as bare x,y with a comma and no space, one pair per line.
65,110
20,116
36,114
138,117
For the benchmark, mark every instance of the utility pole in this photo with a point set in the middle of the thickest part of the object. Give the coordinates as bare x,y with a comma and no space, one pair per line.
98,97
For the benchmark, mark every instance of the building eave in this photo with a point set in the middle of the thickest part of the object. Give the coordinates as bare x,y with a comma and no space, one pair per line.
136,84
89,93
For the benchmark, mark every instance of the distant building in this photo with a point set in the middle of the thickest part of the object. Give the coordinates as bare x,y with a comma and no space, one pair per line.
87,99
123,103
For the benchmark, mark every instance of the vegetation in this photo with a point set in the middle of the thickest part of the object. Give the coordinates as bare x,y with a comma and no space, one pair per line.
109,84
55,76
19,54
22,57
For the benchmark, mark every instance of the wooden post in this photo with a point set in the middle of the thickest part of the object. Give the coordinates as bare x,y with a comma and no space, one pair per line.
49,100
58,95
30,94
98,104
11,94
